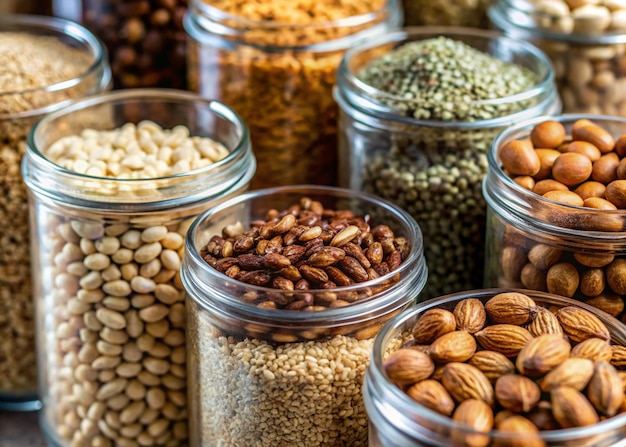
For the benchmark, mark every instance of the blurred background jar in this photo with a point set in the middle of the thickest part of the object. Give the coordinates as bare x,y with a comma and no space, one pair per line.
274,63
43,7
585,42
428,154
108,242
397,420
470,13
145,38
535,242
285,366
47,62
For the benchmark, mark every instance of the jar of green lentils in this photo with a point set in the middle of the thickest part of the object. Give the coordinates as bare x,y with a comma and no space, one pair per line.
419,110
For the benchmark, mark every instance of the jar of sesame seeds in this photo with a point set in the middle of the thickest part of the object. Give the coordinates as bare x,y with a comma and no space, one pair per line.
114,182
286,289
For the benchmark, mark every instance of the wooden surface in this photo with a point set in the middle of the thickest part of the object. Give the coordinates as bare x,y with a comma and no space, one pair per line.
20,430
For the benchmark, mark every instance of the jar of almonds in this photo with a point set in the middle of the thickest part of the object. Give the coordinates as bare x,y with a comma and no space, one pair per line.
114,182
556,210
286,289
498,368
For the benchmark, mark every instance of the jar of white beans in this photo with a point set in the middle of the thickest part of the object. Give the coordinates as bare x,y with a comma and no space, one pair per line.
114,182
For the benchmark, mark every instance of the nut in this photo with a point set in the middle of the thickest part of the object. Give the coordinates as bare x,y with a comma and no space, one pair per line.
571,408
507,339
573,372
433,324
517,393
457,346
470,315
476,415
579,324
408,366
521,426
606,389
464,382
433,395
511,308
492,364
542,354
595,349
545,322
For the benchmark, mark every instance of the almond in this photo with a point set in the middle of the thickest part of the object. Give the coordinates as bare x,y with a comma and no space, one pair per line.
518,157
470,315
563,279
542,416
542,354
594,259
408,366
616,193
545,322
527,431
465,381
608,302
571,408
618,356
580,324
571,168
616,275
457,346
605,390
517,393
512,260
533,278
492,364
507,339
511,308
592,282
596,135
594,349
549,133
573,372
433,395
478,417
433,324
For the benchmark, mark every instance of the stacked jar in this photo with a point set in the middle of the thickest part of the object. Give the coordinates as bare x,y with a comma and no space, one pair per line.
419,110
145,38
275,66
46,63
287,288
585,42
111,198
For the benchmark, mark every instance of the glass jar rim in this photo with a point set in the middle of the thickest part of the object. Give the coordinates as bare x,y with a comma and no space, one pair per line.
14,23
414,264
376,368
360,95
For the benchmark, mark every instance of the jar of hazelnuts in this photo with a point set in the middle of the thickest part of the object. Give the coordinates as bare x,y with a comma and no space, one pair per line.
556,194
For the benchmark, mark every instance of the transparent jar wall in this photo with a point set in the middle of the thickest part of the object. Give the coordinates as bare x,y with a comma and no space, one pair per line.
145,39
280,80
590,70
434,170
19,110
471,13
278,377
110,304
530,238
398,421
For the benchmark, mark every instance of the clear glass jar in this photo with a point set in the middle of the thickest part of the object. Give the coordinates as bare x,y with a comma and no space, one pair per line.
276,377
145,38
471,13
590,67
433,169
279,77
75,65
398,421
110,334
585,239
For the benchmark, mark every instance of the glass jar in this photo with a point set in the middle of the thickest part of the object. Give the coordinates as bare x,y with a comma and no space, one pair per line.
433,169
471,13
278,73
398,421
145,38
521,224
277,377
62,61
589,65
109,301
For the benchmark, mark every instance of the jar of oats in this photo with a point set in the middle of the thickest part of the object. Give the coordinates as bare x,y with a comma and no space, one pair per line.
560,229
45,63
114,182
274,63
585,41
529,369
286,289
419,110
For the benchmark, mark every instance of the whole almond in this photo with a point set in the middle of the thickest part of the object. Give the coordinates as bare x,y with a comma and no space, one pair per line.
542,354
507,339
592,282
573,372
544,256
580,324
518,157
596,135
533,278
616,194
571,168
563,279
549,133
511,308
594,349
408,366
431,394
618,356
616,275
605,390
517,393
594,259
527,431
542,416
433,324
457,346
465,381
470,315
546,161
492,364
478,417
512,261
609,302
571,408
545,322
